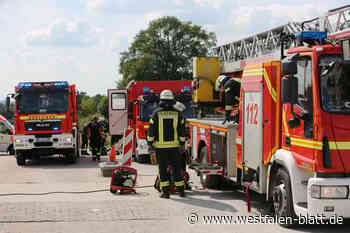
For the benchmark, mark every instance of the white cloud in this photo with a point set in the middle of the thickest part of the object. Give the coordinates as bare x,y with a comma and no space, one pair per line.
119,42
210,3
64,33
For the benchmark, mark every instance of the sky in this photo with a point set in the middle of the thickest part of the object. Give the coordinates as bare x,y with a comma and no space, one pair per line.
81,40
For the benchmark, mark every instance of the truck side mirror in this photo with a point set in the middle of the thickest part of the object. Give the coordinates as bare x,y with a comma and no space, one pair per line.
290,65
8,103
289,90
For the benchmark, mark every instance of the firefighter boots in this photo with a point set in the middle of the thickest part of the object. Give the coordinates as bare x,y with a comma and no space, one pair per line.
181,191
165,193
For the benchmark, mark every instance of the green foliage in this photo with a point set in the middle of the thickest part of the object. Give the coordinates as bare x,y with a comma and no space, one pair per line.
164,51
90,106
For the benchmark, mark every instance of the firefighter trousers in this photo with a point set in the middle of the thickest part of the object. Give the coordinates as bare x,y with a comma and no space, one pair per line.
95,146
170,157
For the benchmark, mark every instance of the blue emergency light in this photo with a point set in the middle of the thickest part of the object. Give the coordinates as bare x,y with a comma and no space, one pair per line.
22,85
146,90
30,129
186,89
311,36
63,83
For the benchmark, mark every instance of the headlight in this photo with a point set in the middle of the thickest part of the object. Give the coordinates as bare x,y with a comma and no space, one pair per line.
329,192
19,141
68,140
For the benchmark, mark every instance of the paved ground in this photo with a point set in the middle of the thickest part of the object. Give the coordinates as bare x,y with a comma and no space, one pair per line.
104,212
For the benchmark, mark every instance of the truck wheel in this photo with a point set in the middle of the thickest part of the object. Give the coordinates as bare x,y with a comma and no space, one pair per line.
282,197
77,149
21,159
71,157
208,181
11,150
77,152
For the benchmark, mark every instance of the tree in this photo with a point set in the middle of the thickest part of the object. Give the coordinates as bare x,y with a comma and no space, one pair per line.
164,51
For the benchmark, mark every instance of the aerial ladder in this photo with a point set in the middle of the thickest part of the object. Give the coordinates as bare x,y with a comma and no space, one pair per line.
267,45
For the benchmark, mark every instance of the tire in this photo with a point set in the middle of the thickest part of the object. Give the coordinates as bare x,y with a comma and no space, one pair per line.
77,150
11,150
282,197
208,181
21,159
71,157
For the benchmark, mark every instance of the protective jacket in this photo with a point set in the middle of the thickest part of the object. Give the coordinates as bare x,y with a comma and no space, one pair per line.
231,94
166,127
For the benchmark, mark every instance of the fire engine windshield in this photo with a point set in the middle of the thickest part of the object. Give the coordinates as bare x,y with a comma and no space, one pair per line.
42,100
146,109
334,82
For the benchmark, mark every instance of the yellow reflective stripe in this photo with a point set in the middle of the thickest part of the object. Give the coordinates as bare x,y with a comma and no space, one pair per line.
228,107
146,126
333,145
167,115
182,139
160,128
237,98
250,72
150,139
151,121
182,121
262,72
166,145
269,86
164,184
175,121
285,123
307,143
339,145
179,183
227,89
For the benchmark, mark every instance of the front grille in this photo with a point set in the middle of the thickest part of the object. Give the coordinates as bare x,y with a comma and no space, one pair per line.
42,125
39,144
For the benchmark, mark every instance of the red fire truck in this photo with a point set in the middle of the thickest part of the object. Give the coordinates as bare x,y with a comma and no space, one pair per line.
133,106
45,120
292,141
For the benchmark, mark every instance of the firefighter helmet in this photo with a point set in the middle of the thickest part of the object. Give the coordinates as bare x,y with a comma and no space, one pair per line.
220,81
166,95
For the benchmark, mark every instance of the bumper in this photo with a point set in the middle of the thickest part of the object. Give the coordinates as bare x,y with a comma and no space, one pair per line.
32,142
328,207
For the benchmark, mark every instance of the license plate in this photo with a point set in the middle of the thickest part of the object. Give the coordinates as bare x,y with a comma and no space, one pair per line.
42,139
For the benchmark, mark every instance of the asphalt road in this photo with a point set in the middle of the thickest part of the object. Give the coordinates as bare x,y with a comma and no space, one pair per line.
97,210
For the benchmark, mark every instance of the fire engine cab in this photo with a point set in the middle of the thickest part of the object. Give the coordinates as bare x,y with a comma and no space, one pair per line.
45,120
132,108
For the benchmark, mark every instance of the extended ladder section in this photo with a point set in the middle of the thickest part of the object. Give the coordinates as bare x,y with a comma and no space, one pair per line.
267,45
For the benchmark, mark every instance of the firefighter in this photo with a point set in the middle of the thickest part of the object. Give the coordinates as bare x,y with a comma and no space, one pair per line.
166,134
229,90
95,135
